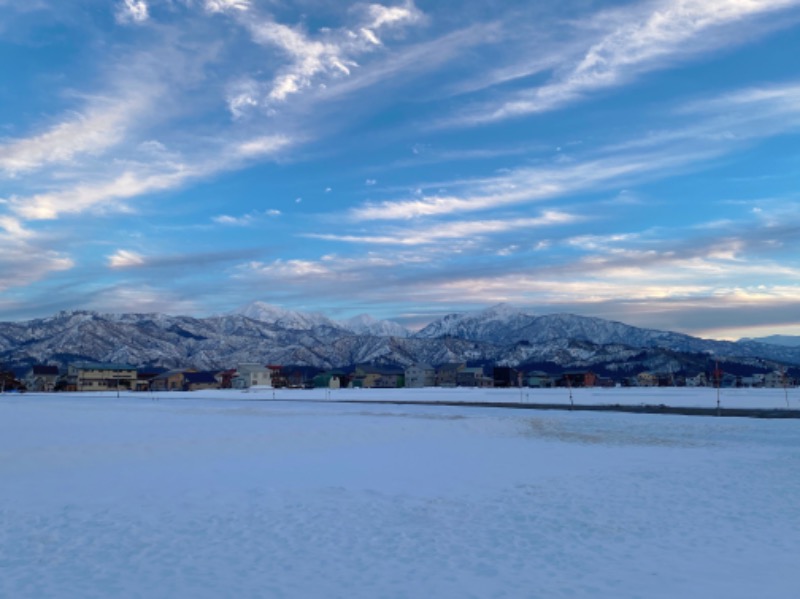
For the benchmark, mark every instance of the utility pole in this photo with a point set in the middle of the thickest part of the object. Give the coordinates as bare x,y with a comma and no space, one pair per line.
569,386
785,382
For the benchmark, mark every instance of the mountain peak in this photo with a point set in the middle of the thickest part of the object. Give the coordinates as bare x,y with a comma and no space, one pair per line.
503,310
364,324
290,319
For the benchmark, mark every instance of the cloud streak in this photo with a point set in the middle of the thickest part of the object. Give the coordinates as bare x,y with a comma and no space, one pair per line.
455,230
137,180
636,41
103,124
527,185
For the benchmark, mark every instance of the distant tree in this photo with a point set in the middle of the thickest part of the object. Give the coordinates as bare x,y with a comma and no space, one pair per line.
9,382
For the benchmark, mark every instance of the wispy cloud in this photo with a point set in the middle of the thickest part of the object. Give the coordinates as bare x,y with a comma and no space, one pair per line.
455,230
98,196
139,179
25,256
635,40
316,59
148,263
708,129
245,220
527,185
141,298
224,5
725,120
125,259
103,124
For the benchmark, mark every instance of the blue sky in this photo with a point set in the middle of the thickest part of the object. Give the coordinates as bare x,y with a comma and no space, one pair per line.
637,161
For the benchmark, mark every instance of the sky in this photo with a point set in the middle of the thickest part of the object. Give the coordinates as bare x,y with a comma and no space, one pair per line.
636,161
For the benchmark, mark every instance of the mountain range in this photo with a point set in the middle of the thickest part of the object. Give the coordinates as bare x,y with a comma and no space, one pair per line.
268,334
786,340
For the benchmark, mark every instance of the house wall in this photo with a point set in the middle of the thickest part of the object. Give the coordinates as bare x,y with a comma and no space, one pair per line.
252,376
420,376
42,382
101,379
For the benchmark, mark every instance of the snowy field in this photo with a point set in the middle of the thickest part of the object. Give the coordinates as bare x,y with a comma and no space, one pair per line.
698,397
186,495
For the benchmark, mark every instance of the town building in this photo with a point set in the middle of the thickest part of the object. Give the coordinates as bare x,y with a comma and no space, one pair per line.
199,381
420,375
473,377
98,376
251,375
539,379
447,374
41,377
171,380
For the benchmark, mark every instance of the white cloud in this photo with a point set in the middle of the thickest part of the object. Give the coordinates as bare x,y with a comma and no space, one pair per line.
132,11
25,256
243,96
722,124
370,36
388,17
391,16
290,269
456,230
245,219
777,99
262,146
239,221
314,60
97,196
14,228
525,185
227,5
125,259
100,194
102,125
309,57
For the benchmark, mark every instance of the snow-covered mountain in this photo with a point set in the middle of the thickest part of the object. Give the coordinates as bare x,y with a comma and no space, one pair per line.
364,324
263,333
505,324
784,340
287,319
498,323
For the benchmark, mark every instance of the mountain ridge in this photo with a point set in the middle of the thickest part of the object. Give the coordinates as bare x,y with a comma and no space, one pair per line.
499,334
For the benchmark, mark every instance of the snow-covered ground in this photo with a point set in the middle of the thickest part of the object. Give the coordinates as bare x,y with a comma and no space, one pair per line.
140,496
697,397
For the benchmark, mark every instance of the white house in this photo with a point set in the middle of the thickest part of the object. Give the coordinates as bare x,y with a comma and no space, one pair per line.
41,377
251,375
777,380
699,380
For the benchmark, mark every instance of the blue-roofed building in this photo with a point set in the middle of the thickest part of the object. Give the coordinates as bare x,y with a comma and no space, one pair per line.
197,381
